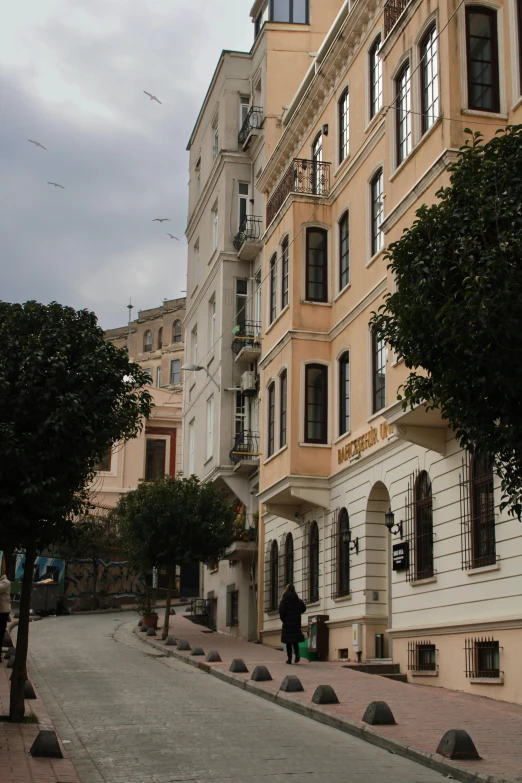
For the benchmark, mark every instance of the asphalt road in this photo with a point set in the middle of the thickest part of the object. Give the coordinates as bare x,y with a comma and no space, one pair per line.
129,715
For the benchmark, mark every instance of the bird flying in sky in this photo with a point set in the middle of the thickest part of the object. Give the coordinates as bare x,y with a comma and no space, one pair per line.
37,144
172,236
56,185
151,96
160,220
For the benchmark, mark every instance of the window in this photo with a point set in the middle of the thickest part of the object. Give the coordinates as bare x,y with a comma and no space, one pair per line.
273,288
210,426
194,345
148,341
377,212
215,140
175,371
105,462
244,108
283,402
212,321
149,372
155,459
482,658
215,226
289,559
344,393
375,78
423,527
343,553
160,337
192,445
271,420
317,157
482,56
158,377
344,251
344,125
243,202
285,252
290,11
314,563
422,657
241,303
403,113
274,576
176,332
429,79
196,263
483,545
262,17
316,403
519,19
316,265
198,178
258,317
378,372
232,606
240,415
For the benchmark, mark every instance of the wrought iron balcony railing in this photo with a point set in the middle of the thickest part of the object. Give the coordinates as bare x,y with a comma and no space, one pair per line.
302,176
253,120
250,230
392,11
245,448
246,336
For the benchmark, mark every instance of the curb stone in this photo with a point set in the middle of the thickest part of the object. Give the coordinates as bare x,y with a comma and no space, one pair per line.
348,725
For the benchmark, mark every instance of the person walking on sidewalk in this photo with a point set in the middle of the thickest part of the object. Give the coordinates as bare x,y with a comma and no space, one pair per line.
290,610
5,605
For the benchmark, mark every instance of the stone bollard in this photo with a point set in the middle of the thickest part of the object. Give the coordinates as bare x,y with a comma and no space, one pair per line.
379,714
291,684
325,694
457,744
46,746
184,645
261,674
144,628
29,690
197,651
151,632
238,666
172,611
213,657
140,623
170,641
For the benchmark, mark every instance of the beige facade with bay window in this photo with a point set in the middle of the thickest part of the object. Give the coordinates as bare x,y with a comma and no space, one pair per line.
366,140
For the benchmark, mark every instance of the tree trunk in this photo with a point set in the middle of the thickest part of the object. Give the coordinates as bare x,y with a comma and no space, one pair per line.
170,586
17,703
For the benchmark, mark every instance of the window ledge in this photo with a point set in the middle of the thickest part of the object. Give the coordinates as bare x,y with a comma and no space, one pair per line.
313,605
376,415
342,599
316,304
401,165
315,445
276,319
274,455
516,104
272,612
477,113
418,582
424,673
487,680
377,255
484,569
209,459
342,437
342,164
342,291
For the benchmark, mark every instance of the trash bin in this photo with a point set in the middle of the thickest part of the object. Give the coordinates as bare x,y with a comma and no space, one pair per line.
304,652
318,635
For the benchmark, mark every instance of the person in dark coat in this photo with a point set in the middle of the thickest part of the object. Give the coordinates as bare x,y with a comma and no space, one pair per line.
290,610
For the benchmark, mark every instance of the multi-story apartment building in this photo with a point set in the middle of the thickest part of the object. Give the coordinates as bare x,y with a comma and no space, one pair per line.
384,524
238,126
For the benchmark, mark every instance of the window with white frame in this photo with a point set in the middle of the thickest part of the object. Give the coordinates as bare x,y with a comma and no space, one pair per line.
244,108
429,59
378,372
212,320
196,263
273,287
375,78
344,125
241,303
215,139
194,345
240,414
285,264
158,377
244,189
210,426
175,371
403,113
377,211
317,157
215,226
192,446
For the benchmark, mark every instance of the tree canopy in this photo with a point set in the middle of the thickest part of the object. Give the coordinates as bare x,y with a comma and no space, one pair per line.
456,314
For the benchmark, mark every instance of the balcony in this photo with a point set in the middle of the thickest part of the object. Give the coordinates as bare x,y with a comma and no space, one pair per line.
244,547
308,177
246,344
392,12
245,453
251,126
247,241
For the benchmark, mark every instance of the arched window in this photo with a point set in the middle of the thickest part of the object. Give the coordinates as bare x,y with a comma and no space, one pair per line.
148,341
176,332
429,78
343,553
483,544
344,125
274,575
423,527
375,78
344,393
160,338
289,560
314,563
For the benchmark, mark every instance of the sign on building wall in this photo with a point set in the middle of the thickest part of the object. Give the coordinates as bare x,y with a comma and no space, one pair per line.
401,556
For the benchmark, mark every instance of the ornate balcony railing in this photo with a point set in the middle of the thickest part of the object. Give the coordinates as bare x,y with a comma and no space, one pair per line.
392,11
245,448
253,120
246,336
250,230
302,176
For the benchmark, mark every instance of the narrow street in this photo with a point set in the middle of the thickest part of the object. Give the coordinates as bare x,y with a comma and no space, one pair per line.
129,715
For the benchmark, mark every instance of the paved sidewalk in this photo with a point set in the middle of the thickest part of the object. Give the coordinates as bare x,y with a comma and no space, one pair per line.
423,713
16,765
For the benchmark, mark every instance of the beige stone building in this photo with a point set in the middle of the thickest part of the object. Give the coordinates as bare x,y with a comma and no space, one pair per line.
382,522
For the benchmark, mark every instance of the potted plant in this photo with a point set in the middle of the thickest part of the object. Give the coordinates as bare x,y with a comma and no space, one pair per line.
149,617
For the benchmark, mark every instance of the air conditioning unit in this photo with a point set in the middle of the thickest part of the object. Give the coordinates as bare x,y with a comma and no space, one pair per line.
248,383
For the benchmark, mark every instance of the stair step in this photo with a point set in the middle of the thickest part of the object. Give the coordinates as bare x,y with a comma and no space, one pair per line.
375,668
396,677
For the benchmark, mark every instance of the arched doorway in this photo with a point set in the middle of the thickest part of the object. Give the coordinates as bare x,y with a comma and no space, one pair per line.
378,574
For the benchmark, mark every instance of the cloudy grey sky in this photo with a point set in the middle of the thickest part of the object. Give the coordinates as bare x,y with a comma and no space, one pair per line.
72,75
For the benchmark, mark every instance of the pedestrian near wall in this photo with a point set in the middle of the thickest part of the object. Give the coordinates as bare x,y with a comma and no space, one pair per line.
290,610
5,604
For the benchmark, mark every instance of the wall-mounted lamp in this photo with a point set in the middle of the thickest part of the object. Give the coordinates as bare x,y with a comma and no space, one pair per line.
347,539
325,130
197,368
389,521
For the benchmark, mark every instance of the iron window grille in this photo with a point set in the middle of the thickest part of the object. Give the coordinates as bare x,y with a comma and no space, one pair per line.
305,563
307,177
403,113
482,59
245,448
316,265
316,403
340,560
418,529
285,259
283,410
313,594
375,78
253,121
248,335
429,57
482,658
477,512
422,656
344,125
317,158
393,10
105,462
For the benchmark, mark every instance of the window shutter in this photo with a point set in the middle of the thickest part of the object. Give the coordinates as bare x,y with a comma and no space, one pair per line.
266,601
305,582
334,548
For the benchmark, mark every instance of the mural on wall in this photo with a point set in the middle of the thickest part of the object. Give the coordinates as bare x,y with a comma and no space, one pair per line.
116,579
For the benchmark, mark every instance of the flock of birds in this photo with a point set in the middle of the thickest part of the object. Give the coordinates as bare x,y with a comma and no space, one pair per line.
57,184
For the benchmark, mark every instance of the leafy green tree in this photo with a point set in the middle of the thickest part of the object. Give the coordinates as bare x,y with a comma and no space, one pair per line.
173,521
65,395
456,316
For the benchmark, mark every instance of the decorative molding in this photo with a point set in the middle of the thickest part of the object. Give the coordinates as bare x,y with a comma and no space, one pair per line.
478,626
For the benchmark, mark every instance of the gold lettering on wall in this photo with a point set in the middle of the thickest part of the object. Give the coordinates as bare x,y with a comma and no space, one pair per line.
366,441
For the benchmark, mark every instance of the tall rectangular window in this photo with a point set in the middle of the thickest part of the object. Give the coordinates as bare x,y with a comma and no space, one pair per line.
403,113
194,345
243,202
158,377
196,263
344,125
317,157
375,78
155,459
273,288
215,226
378,372
344,251
283,410
316,265
244,108
377,212
271,420
212,321
483,544
429,79
175,371
482,56
258,316
344,393
240,414
105,462
192,446
285,271
316,403
198,178
210,427
215,141
519,21
241,303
